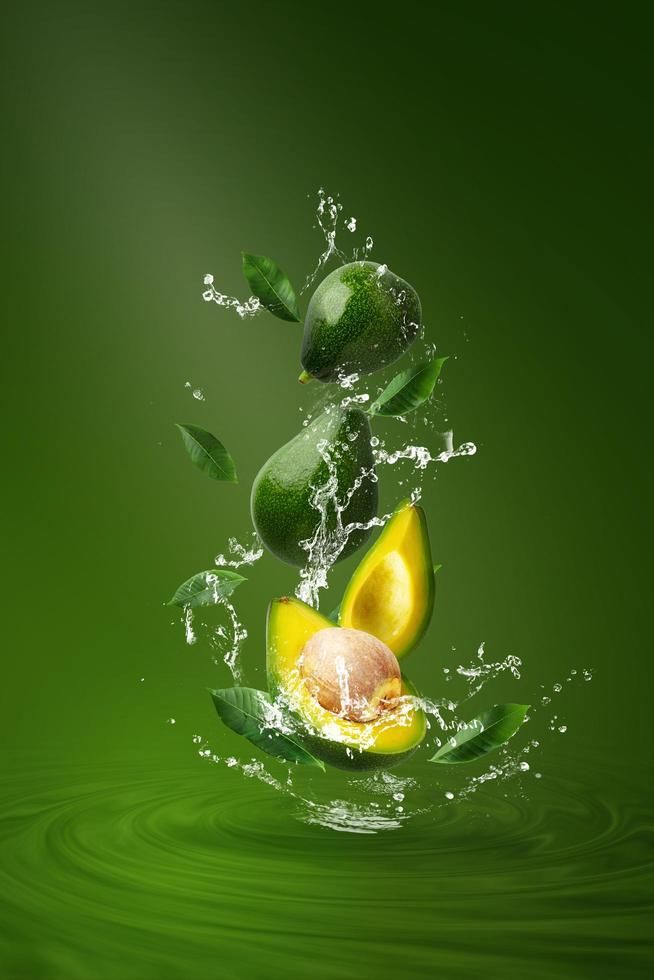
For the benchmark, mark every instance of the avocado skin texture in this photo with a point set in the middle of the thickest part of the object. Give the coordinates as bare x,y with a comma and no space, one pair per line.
280,503
359,320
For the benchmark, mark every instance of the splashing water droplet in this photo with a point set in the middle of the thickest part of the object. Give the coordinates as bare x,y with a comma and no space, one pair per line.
191,638
240,554
243,308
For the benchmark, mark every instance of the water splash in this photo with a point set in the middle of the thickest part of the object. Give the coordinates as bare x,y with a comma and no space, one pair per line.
244,308
384,801
478,673
421,456
351,818
228,637
332,531
197,393
240,554
191,637
328,210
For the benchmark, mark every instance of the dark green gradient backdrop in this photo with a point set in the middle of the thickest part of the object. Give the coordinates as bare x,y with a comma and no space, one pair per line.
495,152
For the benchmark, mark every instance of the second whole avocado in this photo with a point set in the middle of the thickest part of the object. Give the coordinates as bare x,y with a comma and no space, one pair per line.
283,504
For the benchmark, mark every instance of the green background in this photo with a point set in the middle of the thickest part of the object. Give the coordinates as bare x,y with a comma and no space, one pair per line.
496,154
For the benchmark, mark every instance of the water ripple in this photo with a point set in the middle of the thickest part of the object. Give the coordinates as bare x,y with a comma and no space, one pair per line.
141,873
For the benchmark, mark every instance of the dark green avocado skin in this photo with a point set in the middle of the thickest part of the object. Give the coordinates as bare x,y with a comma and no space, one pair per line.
360,318
281,493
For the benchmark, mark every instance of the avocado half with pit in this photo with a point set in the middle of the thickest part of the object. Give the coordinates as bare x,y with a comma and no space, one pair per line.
379,744
394,578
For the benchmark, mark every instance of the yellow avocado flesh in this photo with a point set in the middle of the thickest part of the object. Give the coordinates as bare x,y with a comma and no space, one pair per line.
398,730
391,593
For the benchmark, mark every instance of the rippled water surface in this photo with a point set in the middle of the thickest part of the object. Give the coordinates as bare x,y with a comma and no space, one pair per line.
201,873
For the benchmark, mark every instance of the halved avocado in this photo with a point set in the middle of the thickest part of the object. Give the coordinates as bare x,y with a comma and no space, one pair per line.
391,593
394,736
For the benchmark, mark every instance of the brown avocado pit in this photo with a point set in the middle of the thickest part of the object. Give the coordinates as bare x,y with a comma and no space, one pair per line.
351,673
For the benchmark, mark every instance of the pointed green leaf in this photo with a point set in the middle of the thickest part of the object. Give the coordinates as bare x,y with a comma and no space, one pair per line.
250,713
483,734
409,389
206,588
335,613
271,286
208,453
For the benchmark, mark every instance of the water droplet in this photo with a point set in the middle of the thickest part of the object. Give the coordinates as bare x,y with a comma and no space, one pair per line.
524,766
538,775
170,721
449,796
398,796
231,762
545,700
563,728
557,688
587,675
351,225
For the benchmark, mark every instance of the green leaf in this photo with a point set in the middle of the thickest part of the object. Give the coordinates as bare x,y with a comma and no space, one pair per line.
208,453
483,734
335,613
271,286
248,712
409,389
206,588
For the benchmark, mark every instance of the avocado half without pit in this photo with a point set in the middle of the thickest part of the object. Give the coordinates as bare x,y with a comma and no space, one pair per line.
343,683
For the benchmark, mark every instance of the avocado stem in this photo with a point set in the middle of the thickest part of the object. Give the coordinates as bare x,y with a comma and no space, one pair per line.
305,377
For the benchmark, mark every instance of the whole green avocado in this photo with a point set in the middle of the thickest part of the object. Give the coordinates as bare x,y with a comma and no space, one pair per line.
282,512
361,318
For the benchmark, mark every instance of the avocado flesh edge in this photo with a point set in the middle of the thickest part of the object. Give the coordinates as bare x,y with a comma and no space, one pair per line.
332,751
406,529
